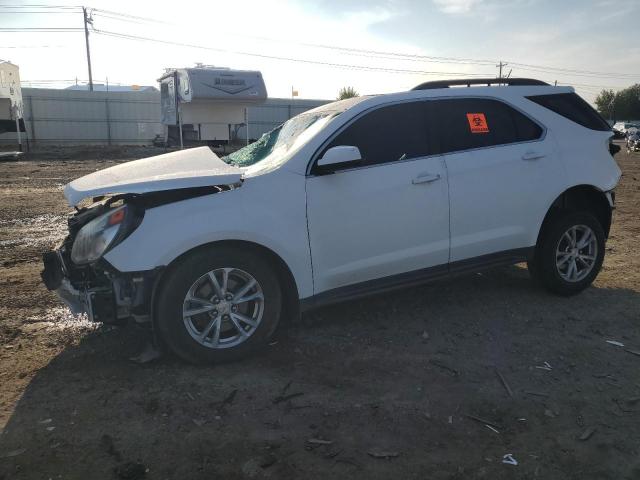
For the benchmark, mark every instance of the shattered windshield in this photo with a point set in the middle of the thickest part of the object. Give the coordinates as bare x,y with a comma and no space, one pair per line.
256,151
280,140
273,145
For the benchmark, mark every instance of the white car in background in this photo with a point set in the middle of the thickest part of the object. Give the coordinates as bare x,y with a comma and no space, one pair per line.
356,197
625,127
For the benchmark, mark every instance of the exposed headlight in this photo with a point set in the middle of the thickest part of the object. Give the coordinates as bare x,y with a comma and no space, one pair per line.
101,233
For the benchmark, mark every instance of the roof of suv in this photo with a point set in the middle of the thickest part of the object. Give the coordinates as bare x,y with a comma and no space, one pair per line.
479,81
485,87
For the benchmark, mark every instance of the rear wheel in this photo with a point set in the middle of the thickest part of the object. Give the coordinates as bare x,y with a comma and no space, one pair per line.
569,254
218,305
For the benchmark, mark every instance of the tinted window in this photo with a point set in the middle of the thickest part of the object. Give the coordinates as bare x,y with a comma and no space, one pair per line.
387,134
571,106
467,123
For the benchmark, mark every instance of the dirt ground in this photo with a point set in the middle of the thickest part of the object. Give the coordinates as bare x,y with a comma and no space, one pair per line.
404,385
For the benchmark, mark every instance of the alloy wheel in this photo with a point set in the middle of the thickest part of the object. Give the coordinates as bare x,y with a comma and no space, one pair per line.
223,308
576,253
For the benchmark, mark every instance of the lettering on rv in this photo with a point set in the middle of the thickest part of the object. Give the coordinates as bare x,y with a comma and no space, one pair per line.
229,85
230,81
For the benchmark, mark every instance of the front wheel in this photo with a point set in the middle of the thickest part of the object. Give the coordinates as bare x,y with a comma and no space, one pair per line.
218,305
569,253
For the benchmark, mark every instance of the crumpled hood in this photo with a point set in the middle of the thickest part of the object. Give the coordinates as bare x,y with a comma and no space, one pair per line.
196,167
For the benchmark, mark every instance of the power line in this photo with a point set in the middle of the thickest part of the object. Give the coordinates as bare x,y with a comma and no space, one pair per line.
40,29
70,80
45,12
52,81
368,53
568,70
419,57
362,52
128,17
289,59
576,73
48,7
583,85
340,65
118,19
32,46
348,50
388,54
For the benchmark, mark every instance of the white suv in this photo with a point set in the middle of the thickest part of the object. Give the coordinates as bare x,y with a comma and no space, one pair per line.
352,198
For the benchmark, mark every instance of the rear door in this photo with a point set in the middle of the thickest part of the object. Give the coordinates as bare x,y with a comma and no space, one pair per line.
387,216
503,175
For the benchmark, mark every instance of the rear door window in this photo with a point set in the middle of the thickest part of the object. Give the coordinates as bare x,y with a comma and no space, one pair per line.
388,134
469,123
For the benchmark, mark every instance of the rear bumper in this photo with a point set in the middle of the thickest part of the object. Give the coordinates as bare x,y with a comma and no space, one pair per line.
611,198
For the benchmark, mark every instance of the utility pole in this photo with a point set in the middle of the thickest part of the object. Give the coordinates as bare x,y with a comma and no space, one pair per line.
501,65
612,109
87,20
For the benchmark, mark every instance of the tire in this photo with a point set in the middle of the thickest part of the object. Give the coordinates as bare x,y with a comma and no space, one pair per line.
551,265
192,275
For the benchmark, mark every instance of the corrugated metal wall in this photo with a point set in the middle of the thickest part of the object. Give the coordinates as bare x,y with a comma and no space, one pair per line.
72,117
273,112
75,117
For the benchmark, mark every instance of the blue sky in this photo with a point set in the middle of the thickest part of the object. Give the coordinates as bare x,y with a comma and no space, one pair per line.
596,39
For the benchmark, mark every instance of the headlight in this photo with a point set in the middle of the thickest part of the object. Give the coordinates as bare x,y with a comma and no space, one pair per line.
100,234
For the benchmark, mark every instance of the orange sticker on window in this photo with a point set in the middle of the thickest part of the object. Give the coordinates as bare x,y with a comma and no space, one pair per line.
477,123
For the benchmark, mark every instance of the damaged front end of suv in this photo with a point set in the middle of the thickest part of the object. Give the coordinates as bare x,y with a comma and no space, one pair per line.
87,283
77,269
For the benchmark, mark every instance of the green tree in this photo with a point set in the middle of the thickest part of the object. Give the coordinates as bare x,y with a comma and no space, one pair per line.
605,103
628,103
347,92
622,105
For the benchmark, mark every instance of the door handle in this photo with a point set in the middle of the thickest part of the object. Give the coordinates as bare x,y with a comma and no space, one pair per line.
533,156
426,178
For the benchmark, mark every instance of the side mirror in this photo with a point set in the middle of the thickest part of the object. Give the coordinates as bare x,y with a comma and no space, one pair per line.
341,156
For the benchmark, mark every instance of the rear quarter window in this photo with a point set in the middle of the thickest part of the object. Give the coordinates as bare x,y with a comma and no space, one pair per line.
574,108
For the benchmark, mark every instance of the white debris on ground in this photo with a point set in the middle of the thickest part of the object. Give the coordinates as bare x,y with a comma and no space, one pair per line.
61,318
40,231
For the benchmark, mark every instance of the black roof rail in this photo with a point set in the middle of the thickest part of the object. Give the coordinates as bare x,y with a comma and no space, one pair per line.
479,81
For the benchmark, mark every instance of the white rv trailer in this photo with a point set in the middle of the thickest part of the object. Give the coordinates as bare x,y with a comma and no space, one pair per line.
207,104
11,109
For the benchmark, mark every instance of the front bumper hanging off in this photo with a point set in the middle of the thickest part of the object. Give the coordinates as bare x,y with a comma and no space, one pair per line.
97,302
99,291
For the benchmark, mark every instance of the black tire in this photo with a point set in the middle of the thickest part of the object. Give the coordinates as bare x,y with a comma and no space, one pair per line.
179,278
543,266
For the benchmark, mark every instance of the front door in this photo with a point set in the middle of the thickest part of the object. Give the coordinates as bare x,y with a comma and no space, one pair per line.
388,216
